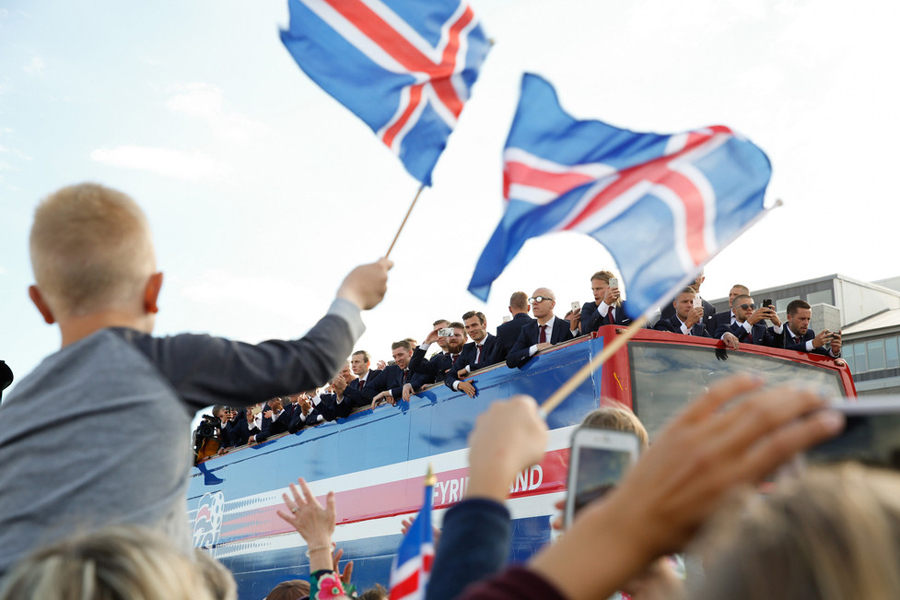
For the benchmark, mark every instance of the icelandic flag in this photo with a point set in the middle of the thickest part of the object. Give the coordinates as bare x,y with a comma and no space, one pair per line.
405,67
412,565
663,205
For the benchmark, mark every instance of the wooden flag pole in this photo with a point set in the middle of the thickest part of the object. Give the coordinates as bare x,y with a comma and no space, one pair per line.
422,187
584,372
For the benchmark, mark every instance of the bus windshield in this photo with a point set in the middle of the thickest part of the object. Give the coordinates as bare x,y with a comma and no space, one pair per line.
665,377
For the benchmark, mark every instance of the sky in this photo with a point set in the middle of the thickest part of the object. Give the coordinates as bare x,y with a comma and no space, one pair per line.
263,192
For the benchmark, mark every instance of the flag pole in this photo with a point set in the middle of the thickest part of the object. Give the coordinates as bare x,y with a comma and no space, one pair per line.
421,187
584,372
430,478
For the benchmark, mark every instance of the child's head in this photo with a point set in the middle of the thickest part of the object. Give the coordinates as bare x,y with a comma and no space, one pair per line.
617,417
91,251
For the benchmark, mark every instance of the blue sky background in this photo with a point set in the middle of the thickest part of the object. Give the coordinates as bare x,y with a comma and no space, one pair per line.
263,192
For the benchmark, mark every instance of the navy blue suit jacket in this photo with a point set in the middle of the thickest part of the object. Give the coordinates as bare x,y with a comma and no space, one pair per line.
718,319
674,325
519,355
759,334
357,396
391,378
591,320
434,369
801,346
508,334
709,312
467,357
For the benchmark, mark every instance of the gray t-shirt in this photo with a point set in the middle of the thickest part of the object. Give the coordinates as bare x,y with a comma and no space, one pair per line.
99,432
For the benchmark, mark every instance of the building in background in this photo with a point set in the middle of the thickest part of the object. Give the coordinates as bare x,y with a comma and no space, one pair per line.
868,315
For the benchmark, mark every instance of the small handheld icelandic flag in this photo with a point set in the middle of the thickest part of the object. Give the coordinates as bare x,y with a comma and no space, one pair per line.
663,205
412,565
404,67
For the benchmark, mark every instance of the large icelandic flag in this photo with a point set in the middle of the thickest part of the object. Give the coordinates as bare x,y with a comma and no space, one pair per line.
662,205
412,565
405,67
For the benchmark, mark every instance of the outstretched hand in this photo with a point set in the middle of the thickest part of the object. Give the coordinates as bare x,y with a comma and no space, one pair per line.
313,522
694,464
366,285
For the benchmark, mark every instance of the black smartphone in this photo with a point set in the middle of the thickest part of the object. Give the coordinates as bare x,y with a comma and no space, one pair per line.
871,435
767,303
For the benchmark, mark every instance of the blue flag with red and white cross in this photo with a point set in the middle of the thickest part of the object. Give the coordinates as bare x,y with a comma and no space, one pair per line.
662,205
412,565
404,67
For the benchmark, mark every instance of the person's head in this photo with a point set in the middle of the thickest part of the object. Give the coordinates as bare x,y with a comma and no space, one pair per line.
600,283
617,417
359,362
799,314
441,324
346,372
220,411
456,341
218,579
832,534
116,563
401,351
378,592
542,303
684,302
276,404
289,590
475,323
518,303
743,307
737,290
698,281
92,252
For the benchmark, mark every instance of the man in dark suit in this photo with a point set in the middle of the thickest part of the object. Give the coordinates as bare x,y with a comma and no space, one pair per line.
726,318
709,310
687,320
436,368
750,324
545,331
477,354
508,333
798,336
607,308
359,364
396,381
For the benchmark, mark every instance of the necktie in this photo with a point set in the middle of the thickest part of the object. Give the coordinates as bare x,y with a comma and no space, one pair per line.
478,353
361,382
405,375
543,337
610,317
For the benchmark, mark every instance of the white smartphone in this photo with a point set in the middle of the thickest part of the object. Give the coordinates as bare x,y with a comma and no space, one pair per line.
871,435
507,318
613,282
698,302
598,459
576,306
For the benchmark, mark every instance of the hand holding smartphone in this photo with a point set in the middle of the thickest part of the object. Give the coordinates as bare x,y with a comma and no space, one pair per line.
598,459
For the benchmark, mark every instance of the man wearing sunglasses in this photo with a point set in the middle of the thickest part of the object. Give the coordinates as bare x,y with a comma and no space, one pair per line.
750,323
545,331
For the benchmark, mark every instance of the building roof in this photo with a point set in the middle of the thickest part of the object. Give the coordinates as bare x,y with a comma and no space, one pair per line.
883,320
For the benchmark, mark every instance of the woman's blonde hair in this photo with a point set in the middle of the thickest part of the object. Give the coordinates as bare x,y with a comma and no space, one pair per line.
832,534
116,563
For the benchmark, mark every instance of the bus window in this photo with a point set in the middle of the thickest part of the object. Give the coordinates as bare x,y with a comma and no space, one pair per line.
665,377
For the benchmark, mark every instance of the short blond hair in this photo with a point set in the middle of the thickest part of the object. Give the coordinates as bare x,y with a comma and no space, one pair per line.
91,249
617,417
111,564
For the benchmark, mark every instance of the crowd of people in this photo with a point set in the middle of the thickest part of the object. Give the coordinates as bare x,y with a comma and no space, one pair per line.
466,346
92,523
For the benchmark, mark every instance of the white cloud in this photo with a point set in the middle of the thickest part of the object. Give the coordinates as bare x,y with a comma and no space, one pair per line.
189,166
205,102
36,65
15,152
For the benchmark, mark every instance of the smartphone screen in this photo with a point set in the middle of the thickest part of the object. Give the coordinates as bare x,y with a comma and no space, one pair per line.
871,435
597,461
